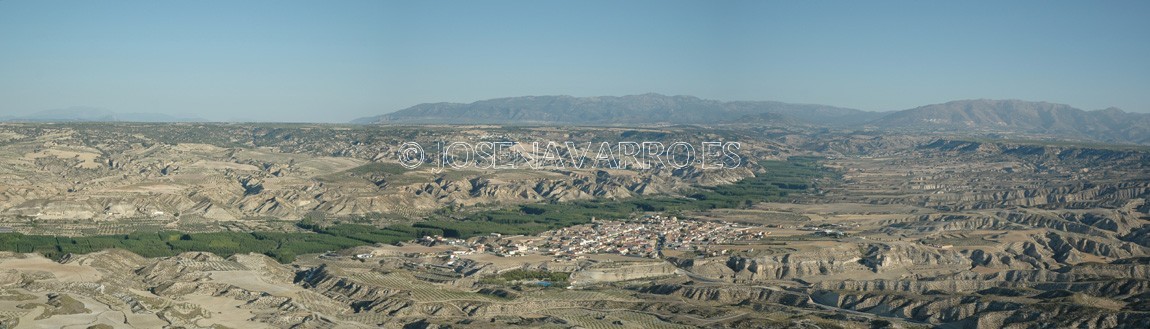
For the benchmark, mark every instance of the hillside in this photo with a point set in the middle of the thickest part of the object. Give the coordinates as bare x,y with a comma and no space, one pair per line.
965,116
634,109
1109,125
92,114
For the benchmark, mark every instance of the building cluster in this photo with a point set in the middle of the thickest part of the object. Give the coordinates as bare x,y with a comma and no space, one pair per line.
831,230
645,236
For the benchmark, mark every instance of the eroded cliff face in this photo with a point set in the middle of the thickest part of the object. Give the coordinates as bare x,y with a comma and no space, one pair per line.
1021,267
391,295
566,185
729,295
232,200
146,173
1091,295
616,272
983,313
828,263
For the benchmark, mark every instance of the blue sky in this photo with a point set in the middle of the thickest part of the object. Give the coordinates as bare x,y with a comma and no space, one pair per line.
333,61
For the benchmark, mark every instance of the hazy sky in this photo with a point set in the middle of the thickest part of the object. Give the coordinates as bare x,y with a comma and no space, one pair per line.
333,61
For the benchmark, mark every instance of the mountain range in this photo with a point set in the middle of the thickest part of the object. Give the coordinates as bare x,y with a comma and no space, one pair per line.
1107,125
982,115
93,114
607,110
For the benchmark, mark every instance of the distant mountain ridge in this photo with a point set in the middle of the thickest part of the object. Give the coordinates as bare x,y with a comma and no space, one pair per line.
981,115
92,114
610,110
1108,125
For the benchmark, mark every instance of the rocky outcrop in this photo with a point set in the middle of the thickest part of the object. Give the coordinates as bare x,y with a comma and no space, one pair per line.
228,173
980,312
345,289
728,295
828,261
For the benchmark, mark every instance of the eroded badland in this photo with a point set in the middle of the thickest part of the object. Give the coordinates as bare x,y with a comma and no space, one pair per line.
320,226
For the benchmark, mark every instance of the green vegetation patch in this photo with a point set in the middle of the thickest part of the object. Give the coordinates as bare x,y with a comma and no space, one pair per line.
553,279
380,168
281,246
